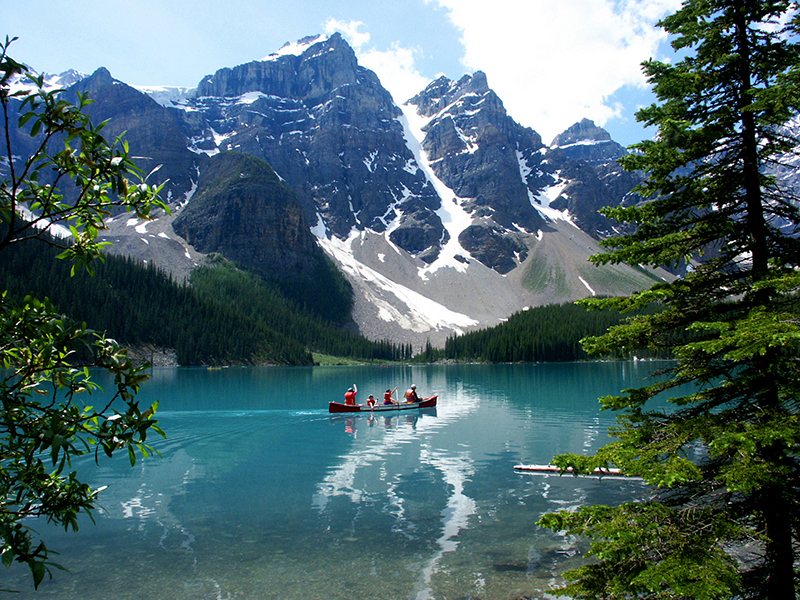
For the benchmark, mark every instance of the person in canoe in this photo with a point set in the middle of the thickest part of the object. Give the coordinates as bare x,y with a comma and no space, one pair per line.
371,401
387,397
350,395
411,394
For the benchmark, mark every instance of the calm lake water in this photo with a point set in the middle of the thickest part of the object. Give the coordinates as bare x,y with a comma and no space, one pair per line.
259,493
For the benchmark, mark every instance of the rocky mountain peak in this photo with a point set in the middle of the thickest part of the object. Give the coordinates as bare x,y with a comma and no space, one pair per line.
583,131
585,141
155,132
320,67
477,84
468,136
65,79
443,92
331,131
590,176
100,77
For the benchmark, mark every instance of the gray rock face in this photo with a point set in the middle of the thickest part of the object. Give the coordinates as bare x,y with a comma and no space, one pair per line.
494,246
491,162
330,130
586,159
244,212
153,132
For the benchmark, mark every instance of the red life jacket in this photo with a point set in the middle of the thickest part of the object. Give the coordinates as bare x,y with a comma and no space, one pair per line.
350,398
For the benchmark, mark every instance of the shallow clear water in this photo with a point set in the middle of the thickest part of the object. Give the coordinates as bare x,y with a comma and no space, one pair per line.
259,493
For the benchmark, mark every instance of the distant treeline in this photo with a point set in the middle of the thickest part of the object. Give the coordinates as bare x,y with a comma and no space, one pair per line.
543,334
225,316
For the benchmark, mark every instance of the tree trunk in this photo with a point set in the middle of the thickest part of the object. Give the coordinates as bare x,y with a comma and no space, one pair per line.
780,553
776,503
751,171
777,508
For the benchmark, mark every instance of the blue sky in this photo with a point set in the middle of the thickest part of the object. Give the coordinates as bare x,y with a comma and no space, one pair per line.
552,62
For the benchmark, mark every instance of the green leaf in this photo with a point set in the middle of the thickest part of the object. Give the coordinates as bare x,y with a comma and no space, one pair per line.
39,570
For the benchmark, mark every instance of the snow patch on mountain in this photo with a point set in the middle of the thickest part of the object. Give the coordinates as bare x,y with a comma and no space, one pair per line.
319,230
419,314
295,48
50,82
454,218
541,202
583,143
588,287
44,224
169,96
192,189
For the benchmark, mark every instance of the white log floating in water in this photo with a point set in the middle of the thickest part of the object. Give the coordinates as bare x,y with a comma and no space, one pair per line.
547,469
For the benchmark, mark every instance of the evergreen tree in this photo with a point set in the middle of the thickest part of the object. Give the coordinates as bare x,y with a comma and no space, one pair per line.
724,460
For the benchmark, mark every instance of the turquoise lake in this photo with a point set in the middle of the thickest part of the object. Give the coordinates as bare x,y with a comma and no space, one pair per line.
260,493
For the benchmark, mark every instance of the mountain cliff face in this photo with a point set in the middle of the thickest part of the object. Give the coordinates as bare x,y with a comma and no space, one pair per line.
584,158
444,213
492,164
244,212
330,130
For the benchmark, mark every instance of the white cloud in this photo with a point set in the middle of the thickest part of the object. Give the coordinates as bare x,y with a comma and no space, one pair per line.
397,70
554,62
396,67
350,31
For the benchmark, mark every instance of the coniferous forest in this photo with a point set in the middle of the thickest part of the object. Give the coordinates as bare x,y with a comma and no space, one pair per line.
223,316
544,334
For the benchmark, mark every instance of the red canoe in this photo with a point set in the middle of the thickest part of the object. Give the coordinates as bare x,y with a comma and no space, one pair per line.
340,407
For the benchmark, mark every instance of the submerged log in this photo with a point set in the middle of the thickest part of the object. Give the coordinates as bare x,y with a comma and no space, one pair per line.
552,469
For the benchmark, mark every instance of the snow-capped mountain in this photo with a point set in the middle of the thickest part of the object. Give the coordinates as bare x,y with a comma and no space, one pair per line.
49,81
444,213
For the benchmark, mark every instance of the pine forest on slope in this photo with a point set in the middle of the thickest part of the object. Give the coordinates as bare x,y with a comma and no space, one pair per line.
225,316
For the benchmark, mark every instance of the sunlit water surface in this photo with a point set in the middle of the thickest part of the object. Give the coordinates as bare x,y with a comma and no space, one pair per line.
259,493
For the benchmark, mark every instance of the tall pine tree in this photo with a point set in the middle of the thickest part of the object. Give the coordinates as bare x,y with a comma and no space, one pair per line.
724,462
